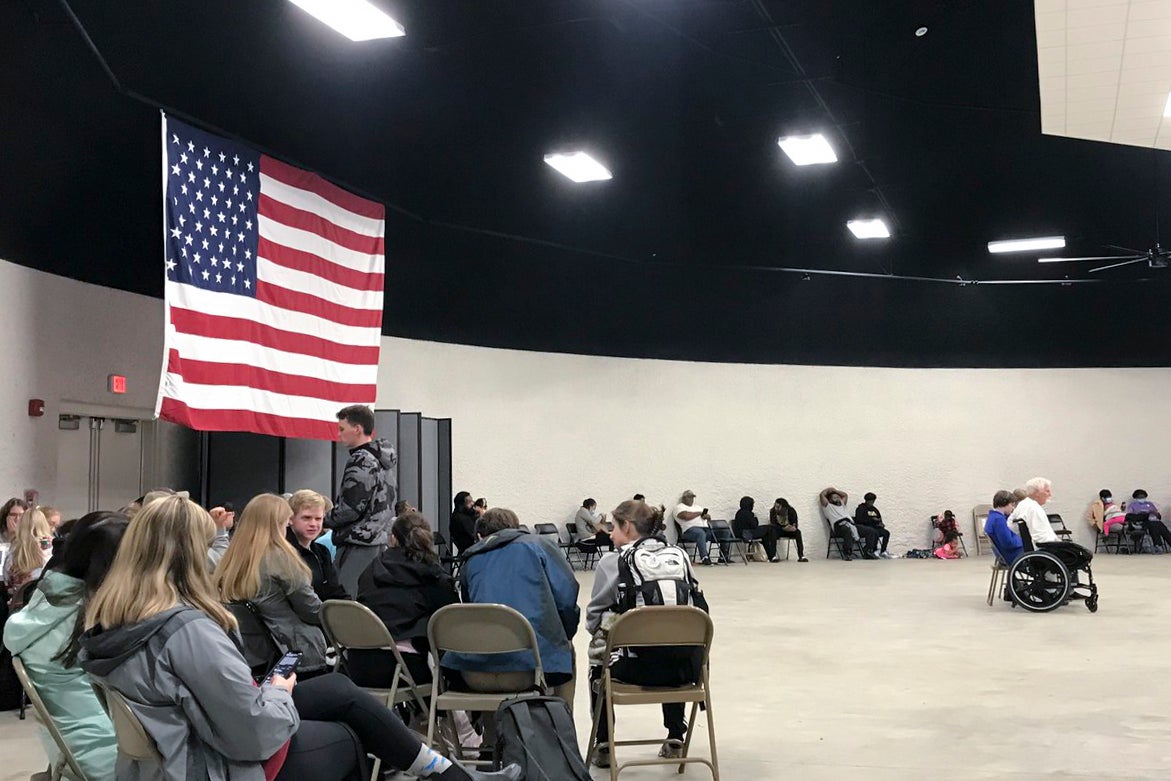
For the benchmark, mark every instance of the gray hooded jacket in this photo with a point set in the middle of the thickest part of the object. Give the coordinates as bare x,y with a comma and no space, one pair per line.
185,680
365,504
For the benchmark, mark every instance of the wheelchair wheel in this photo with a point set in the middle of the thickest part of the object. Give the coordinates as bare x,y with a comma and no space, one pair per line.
1039,582
1092,604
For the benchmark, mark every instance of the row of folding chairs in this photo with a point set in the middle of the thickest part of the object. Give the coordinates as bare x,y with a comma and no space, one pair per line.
467,629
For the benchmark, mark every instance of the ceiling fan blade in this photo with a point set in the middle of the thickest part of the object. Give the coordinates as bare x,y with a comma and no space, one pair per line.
1119,265
1097,257
1131,250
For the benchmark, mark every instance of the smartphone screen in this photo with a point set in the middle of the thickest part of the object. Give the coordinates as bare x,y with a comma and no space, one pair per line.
285,667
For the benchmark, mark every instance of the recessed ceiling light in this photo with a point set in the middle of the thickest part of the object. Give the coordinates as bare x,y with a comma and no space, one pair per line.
920,32
358,20
578,166
869,229
808,150
1024,245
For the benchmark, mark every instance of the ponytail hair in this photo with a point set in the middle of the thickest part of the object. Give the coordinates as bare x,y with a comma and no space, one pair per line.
412,532
646,520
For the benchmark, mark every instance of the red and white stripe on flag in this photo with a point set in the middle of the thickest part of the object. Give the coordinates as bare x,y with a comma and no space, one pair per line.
274,291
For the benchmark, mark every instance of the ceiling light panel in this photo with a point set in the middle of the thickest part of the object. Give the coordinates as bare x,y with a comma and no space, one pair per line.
358,20
808,150
869,229
1104,70
1026,245
578,166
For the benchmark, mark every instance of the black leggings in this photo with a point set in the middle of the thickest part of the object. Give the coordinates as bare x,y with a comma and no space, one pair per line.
881,531
793,535
656,667
340,723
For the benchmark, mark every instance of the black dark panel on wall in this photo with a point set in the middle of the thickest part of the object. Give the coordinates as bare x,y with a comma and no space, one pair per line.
410,485
309,464
443,509
429,468
240,466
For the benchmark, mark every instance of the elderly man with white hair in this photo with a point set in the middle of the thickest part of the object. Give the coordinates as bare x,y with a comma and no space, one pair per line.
1031,510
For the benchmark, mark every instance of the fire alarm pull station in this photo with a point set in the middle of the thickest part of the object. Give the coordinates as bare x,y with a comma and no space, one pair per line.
116,383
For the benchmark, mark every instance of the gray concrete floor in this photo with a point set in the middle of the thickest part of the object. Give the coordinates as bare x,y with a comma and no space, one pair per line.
898,670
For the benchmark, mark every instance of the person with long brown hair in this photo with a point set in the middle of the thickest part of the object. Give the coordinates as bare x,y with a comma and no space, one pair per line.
10,515
159,636
261,567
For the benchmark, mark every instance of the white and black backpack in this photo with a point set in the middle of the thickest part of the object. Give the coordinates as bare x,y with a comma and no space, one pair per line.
656,576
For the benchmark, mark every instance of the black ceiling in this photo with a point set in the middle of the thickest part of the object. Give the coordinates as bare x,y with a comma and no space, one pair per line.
684,100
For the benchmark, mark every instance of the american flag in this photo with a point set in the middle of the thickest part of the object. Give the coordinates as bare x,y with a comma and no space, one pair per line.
274,291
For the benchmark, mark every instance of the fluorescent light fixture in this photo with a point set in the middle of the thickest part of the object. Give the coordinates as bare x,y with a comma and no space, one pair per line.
808,150
578,166
1024,245
358,20
869,229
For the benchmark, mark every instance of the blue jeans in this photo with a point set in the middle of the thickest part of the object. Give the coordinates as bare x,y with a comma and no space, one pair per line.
701,536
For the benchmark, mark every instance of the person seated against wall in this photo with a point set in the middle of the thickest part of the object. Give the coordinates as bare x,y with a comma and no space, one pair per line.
1096,514
747,527
511,567
693,527
462,528
261,567
782,516
1005,539
591,526
1140,505
31,549
833,509
866,514
159,636
309,509
638,525
45,635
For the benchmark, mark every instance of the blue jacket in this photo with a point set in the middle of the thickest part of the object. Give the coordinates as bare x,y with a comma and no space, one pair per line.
1007,543
37,634
530,575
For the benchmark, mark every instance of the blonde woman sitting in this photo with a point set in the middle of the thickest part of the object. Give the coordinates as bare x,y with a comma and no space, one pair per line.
30,551
261,567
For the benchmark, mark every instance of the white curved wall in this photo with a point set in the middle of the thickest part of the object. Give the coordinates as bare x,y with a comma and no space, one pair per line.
538,432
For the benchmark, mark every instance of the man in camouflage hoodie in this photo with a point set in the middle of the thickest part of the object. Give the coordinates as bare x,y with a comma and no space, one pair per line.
362,514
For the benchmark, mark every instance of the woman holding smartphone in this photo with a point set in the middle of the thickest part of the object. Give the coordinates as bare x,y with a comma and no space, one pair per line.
261,567
158,635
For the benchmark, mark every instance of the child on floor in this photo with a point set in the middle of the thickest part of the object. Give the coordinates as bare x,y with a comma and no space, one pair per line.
950,549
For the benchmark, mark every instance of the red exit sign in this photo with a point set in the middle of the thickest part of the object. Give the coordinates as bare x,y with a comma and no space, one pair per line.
116,383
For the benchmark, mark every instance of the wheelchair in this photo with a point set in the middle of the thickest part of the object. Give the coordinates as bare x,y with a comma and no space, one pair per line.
1044,579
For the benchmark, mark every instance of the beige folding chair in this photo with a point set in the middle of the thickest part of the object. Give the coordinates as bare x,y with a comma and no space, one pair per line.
66,765
353,626
657,626
478,629
134,742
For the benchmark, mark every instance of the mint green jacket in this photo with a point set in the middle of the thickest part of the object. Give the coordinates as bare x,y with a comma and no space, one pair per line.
36,634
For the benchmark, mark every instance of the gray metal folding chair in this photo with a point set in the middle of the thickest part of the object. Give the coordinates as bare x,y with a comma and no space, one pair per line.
479,629
353,626
66,765
657,626
134,742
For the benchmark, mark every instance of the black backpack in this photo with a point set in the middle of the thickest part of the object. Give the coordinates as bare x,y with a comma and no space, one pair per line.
537,733
656,577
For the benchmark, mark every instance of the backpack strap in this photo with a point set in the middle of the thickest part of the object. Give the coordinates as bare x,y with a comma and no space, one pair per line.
562,726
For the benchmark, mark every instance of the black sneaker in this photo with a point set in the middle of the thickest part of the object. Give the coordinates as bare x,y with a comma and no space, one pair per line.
705,561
